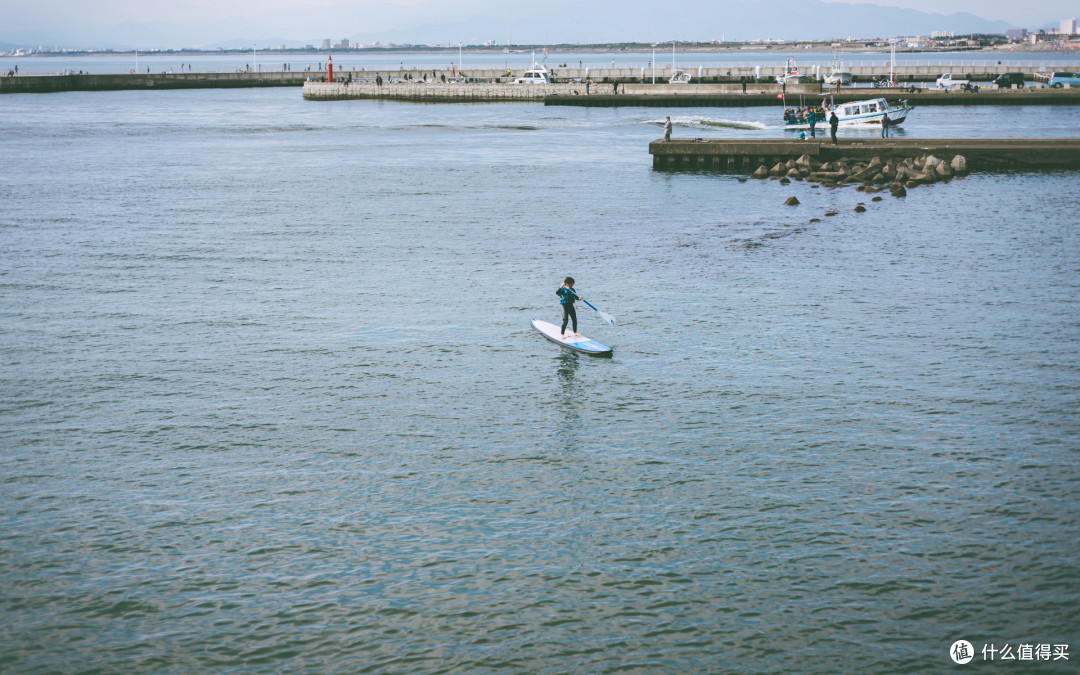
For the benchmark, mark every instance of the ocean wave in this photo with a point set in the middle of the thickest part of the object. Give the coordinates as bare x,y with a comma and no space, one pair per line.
695,122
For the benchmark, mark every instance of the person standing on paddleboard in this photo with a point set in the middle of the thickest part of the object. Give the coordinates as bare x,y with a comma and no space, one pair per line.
566,299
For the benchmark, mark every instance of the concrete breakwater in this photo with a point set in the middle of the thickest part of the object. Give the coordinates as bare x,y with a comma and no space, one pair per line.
981,154
39,84
667,95
757,78
731,96
438,92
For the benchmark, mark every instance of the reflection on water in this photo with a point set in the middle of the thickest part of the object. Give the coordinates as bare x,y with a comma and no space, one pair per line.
566,368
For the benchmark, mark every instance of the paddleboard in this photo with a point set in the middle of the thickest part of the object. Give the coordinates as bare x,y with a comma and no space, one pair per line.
578,343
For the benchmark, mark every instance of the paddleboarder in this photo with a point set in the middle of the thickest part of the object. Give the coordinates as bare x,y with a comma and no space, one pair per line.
566,299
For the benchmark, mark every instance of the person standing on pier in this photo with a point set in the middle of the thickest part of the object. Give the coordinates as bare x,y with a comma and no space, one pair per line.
812,116
885,122
834,122
667,128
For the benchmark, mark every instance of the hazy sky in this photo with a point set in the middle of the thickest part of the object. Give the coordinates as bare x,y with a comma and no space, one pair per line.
1020,12
1023,13
291,18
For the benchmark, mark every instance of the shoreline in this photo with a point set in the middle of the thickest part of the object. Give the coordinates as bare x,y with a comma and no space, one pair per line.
808,47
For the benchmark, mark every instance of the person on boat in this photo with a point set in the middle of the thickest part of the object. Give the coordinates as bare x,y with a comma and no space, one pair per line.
567,296
834,122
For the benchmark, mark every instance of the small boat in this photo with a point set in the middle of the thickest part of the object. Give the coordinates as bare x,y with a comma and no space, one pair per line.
535,75
836,77
850,114
837,74
680,77
792,75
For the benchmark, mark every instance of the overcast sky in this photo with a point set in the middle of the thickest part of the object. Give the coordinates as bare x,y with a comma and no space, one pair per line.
285,17
1015,11
1027,13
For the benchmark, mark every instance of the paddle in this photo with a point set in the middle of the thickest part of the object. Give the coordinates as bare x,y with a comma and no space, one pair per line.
606,317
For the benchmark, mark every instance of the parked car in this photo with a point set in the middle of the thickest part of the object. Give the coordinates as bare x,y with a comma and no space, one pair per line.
1060,79
946,81
1007,80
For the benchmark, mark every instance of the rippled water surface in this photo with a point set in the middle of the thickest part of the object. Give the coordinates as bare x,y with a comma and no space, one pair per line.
271,401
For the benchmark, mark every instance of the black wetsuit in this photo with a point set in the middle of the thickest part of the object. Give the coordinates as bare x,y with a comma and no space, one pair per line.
567,297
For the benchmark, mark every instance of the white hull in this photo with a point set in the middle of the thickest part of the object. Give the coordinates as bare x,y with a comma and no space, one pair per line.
858,113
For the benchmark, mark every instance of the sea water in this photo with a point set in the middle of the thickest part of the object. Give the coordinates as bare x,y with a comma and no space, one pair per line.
270,401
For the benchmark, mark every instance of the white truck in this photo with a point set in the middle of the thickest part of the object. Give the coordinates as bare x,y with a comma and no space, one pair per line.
946,81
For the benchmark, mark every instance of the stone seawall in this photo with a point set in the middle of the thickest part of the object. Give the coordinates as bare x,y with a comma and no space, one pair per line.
438,92
38,84
724,96
729,77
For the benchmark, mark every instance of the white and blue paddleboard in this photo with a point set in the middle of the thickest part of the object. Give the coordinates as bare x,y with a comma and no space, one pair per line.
578,343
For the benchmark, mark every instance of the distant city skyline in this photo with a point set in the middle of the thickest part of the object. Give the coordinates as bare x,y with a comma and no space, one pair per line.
202,23
103,11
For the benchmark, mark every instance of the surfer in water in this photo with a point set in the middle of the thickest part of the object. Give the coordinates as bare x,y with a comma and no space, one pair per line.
566,299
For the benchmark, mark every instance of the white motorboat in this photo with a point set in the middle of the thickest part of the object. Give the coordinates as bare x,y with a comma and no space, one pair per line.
792,75
536,74
838,77
854,113
838,74
680,77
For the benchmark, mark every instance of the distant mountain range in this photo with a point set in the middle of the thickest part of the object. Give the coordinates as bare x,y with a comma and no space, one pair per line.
559,22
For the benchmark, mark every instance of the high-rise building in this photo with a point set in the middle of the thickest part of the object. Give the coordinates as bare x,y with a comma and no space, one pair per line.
326,43
1068,27
344,44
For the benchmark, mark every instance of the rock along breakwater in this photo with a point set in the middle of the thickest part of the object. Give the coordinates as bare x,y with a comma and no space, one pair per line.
895,175
896,165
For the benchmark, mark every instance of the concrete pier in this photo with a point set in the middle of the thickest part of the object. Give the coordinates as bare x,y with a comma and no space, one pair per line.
437,92
667,96
642,81
982,154
43,84
730,96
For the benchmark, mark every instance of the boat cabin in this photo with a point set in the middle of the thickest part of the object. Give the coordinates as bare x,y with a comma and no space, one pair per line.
857,108
680,77
535,75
